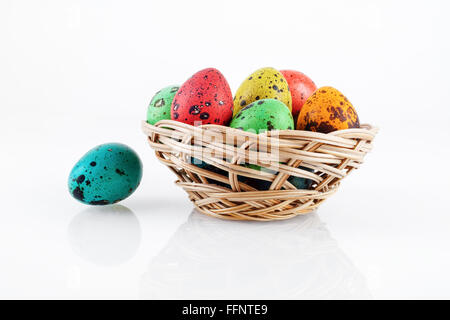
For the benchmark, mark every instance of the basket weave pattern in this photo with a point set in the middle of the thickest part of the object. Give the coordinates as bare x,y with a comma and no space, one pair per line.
330,157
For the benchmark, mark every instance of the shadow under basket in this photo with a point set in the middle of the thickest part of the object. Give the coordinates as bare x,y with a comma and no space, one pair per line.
217,166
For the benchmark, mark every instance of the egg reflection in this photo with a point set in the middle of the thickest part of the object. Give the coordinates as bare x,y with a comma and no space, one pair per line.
214,259
106,236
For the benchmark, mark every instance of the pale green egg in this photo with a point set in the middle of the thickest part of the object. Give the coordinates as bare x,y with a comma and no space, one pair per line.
159,107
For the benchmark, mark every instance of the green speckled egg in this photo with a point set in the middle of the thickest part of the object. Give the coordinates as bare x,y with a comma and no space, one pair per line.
267,114
106,174
265,83
263,115
159,107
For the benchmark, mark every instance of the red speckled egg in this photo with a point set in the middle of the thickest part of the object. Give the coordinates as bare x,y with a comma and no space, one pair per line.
206,97
301,88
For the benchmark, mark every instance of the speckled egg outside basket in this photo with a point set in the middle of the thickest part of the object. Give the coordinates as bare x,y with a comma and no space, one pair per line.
106,174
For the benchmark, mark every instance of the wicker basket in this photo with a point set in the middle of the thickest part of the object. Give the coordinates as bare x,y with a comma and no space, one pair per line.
323,158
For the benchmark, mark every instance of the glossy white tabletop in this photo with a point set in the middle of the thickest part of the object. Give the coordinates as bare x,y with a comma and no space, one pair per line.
79,74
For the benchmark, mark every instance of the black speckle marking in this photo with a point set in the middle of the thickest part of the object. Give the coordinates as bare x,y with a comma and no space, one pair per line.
336,113
78,194
207,104
325,127
176,106
243,103
311,125
260,102
194,110
120,172
221,102
175,115
174,89
275,87
204,115
93,163
159,103
81,178
269,125
88,183
257,98
99,202
247,107
250,78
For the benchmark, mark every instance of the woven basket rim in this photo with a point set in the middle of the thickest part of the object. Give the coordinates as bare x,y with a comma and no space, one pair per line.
364,127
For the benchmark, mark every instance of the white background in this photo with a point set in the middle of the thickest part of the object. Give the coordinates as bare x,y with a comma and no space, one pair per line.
75,74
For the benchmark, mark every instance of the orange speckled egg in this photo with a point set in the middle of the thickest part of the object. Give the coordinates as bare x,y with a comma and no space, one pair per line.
327,110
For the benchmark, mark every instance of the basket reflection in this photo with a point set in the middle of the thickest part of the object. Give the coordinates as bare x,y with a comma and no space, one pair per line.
217,259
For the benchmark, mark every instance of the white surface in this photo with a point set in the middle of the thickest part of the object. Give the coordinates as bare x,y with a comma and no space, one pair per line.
75,74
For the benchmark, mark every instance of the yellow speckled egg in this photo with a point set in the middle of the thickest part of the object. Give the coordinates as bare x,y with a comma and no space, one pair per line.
327,110
264,83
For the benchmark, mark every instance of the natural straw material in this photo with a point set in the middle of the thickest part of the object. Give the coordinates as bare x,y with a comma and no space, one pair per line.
330,157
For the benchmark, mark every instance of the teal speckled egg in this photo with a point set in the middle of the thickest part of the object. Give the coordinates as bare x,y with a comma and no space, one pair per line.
106,174
299,183
159,107
263,115
206,166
